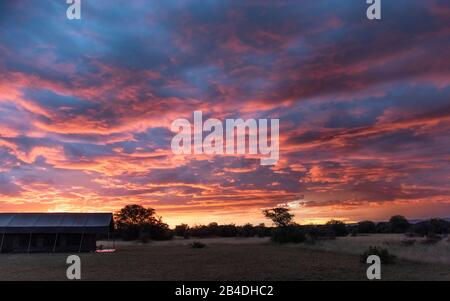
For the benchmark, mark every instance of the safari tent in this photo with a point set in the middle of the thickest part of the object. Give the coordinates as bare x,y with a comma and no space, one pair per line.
53,232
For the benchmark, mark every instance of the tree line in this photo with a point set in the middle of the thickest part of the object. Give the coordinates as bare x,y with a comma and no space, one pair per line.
135,222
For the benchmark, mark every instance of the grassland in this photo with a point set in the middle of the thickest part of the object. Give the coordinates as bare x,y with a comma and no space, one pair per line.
222,259
411,249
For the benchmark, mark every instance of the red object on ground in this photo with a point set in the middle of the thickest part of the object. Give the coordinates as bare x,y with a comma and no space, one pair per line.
105,251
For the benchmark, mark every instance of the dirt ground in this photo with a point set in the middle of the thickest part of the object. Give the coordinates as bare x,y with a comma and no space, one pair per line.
222,259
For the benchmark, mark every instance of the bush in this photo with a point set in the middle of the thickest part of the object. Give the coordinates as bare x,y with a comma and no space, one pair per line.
227,230
215,230
197,245
434,225
129,232
182,230
262,231
432,239
144,233
336,228
366,227
315,232
247,230
311,232
157,231
385,256
383,227
288,234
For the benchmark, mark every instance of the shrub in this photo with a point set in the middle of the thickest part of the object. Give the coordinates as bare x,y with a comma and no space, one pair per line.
316,232
383,227
432,239
263,231
216,230
156,231
336,228
197,245
434,225
366,227
129,232
213,229
288,234
199,231
227,230
385,256
182,230
312,232
439,226
247,230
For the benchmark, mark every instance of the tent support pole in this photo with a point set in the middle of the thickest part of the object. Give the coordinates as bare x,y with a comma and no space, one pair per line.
29,243
81,242
54,245
1,245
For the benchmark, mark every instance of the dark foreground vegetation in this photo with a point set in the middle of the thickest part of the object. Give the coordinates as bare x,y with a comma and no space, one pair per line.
383,254
134,222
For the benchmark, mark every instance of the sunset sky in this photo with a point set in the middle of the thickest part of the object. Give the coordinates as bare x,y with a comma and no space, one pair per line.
86,107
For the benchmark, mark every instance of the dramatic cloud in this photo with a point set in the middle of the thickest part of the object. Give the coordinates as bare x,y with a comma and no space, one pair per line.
364,107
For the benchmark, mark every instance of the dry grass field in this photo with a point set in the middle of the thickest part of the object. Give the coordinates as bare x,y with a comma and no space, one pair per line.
222,259
412,249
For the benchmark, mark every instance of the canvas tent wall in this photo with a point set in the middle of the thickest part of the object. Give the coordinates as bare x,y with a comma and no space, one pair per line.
52,232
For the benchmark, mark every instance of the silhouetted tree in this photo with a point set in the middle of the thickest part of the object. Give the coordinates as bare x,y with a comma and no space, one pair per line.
336,228
432,226
227,230
366,227
280,216
286,231
135,221
262,231
135,215
383,227
247,230
399,224
213,229
182,230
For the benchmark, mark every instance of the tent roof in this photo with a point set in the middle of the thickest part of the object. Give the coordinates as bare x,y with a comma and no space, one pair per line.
55,222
